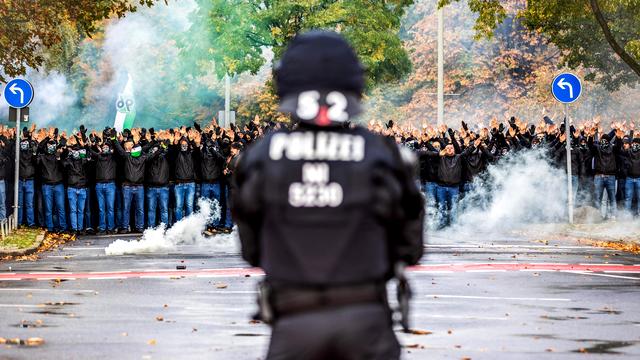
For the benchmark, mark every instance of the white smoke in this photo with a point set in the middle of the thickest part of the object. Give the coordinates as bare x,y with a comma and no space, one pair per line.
187,231
522,188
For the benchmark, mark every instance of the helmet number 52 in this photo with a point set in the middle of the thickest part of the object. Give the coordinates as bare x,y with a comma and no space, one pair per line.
309,106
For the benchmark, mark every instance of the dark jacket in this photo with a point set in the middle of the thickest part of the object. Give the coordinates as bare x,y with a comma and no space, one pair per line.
211,163
604,157
134,167
51,169
185,167
159,169
75,171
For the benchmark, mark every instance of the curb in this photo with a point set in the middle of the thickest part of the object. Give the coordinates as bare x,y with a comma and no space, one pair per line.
28,251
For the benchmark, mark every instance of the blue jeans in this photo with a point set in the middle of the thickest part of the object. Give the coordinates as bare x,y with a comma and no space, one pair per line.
53,195
228,221
185,194
430,190
25,201
77,200
632,188
106,196
128,193
155,196
212,191
608,183
3,199
448,203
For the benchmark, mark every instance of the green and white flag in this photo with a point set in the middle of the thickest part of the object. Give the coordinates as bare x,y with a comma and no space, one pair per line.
126,108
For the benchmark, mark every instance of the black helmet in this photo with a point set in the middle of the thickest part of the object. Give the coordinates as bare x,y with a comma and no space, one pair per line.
319,79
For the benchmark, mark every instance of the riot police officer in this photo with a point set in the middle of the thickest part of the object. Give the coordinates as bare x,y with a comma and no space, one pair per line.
327,210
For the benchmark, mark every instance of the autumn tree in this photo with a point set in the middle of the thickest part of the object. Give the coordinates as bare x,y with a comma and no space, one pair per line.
29,28
601,36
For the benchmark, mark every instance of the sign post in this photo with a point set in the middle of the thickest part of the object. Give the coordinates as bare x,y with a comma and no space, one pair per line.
18,93
567,88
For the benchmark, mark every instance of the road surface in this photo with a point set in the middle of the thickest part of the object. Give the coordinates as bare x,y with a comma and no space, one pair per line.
488,298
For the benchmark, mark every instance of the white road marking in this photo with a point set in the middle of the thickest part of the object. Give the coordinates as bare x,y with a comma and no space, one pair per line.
464,317
20,306
480,246
107,278
224,291
604,275
494,297
486,271
47,290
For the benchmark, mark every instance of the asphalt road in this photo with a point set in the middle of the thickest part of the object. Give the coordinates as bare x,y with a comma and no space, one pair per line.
483,298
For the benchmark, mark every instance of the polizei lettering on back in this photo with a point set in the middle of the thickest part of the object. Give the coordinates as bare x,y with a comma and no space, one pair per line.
318,146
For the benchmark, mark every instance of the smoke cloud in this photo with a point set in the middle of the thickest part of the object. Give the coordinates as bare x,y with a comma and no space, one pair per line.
187,231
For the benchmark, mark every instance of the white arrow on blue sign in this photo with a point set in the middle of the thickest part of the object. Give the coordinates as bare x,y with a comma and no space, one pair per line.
566,88
18,93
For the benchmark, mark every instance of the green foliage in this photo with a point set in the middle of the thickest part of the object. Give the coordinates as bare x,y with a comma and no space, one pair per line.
29,28
240,32
571,25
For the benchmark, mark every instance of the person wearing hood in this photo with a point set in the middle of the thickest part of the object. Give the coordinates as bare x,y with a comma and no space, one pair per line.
185,177
52,176
560,154
74,166
632,186
26,187
157,178
105,176
604,153
134,158
212,168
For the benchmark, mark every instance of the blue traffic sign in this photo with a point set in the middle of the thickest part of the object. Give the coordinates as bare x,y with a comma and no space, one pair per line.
566,88
18,93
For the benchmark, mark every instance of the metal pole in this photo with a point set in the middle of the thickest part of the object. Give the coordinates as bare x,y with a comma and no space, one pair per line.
227,100
440,66
16,182
568,144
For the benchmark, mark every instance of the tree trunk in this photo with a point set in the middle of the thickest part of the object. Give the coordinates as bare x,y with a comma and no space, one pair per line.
628,59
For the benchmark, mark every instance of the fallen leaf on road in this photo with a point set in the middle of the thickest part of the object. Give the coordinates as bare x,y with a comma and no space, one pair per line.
255,322
412,346
165,305
35,341
419,332
152,342
221,286
124,334
550,350
159,318
3,340
449,332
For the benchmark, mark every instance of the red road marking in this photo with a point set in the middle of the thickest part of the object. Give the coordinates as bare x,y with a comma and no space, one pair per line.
235,272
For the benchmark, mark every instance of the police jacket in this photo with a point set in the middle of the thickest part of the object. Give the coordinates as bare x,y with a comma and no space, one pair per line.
327,206
75,170
51,169
604,158
185,168
212,163
158,170
633,163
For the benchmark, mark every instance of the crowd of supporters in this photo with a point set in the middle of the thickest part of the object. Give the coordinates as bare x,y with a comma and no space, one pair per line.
123,182
452,161
127,181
